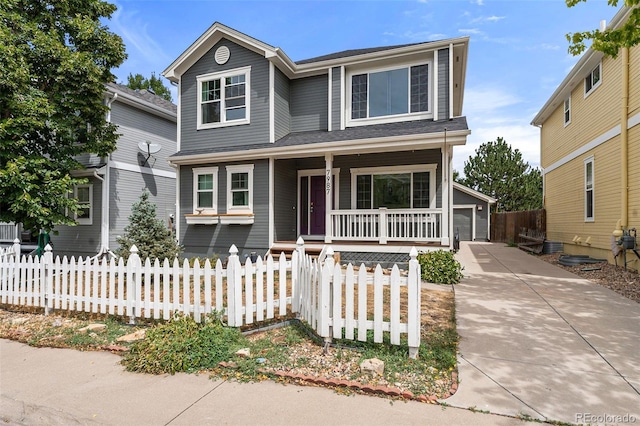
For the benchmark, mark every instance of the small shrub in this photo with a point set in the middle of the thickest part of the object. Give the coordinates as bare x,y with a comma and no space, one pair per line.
440,267
183,345
202,260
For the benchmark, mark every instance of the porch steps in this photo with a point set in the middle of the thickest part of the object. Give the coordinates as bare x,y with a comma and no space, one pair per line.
275,251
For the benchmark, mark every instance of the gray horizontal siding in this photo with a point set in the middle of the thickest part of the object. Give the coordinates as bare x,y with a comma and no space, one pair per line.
81,240
201,240
443,84
281,104
125,189
285,200
336,98
254,133
309,98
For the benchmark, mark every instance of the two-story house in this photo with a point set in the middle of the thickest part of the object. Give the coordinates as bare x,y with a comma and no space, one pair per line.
352,148
590,141
147,128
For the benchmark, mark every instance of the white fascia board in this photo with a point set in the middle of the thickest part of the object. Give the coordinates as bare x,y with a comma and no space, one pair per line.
479,195
343,147
206,41
589,59
141,104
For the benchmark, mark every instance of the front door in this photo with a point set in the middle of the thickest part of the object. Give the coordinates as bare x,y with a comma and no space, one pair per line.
317,203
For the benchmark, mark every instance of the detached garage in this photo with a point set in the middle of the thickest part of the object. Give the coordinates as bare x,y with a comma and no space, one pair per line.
471,213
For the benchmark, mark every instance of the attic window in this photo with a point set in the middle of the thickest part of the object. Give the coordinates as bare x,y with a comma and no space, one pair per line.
223,98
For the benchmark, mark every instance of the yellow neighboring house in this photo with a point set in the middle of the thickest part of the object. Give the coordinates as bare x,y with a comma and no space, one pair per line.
590,154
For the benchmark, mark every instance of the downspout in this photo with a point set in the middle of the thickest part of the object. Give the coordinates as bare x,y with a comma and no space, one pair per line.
106,211
624,146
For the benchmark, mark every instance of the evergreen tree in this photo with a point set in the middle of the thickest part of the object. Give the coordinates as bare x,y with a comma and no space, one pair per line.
499,171
148,233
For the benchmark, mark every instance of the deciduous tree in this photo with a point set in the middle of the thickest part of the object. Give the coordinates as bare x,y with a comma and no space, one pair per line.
609,41
55,58
154,84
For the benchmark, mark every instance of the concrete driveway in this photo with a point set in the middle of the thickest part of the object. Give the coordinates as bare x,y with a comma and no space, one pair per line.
540,342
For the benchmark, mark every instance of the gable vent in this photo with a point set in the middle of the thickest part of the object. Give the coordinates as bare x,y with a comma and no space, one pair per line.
222,55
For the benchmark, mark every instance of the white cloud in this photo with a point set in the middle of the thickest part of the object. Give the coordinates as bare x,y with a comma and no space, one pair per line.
134,32
473,31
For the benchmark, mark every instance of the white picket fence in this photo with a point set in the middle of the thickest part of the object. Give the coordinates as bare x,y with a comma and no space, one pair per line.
335,302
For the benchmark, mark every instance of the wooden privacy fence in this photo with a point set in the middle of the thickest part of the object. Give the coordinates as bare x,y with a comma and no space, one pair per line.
336,303
506,226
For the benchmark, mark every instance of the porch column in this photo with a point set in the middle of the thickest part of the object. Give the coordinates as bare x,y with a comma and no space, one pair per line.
447,209
328,194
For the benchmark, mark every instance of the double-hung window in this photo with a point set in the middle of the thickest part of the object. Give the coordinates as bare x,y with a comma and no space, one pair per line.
567,111
205,190
592,81
390,92
394,188
589,200
240,189
223,98
84,195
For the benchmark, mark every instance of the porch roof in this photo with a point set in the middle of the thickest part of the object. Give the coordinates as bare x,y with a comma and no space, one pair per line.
375,138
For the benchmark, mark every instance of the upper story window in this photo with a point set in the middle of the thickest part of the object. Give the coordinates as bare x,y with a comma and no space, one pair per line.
223,98
84,195
592,81
390,92
205,190
567,111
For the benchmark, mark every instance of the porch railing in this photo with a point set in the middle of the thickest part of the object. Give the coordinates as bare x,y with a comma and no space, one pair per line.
385,225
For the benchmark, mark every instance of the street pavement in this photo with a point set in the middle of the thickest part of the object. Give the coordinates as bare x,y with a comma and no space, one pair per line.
536,343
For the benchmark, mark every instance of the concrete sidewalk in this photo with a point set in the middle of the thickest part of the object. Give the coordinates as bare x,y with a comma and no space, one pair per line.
541,342
44,386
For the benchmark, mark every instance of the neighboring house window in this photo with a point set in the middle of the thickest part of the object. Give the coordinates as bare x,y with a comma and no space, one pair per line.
240,189
592,81
224,98
84,195
395,188
390,92
589,199
567,111
205,190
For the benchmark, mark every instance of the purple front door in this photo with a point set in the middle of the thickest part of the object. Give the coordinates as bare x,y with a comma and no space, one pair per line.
317,206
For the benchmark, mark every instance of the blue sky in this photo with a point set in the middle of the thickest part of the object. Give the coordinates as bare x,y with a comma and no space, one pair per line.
517,50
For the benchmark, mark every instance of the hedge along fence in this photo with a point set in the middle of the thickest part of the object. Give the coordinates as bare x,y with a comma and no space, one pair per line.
335,302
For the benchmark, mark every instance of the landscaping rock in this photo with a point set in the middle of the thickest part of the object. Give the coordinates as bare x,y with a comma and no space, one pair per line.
373,366
244,353
93,327
132,337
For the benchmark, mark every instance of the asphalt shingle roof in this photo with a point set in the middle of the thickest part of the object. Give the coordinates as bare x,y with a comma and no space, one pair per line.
352,133
146,96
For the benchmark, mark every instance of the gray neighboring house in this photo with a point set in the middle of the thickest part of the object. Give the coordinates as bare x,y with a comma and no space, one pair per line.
471,213
352,148
147,127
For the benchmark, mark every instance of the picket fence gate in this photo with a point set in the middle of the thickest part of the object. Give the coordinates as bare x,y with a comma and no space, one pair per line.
337,303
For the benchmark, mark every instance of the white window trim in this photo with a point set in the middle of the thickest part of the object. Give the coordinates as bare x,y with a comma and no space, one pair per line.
565,110
351,122
595,86
205,171
243,168
221,75
431,168
593,194
85,220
